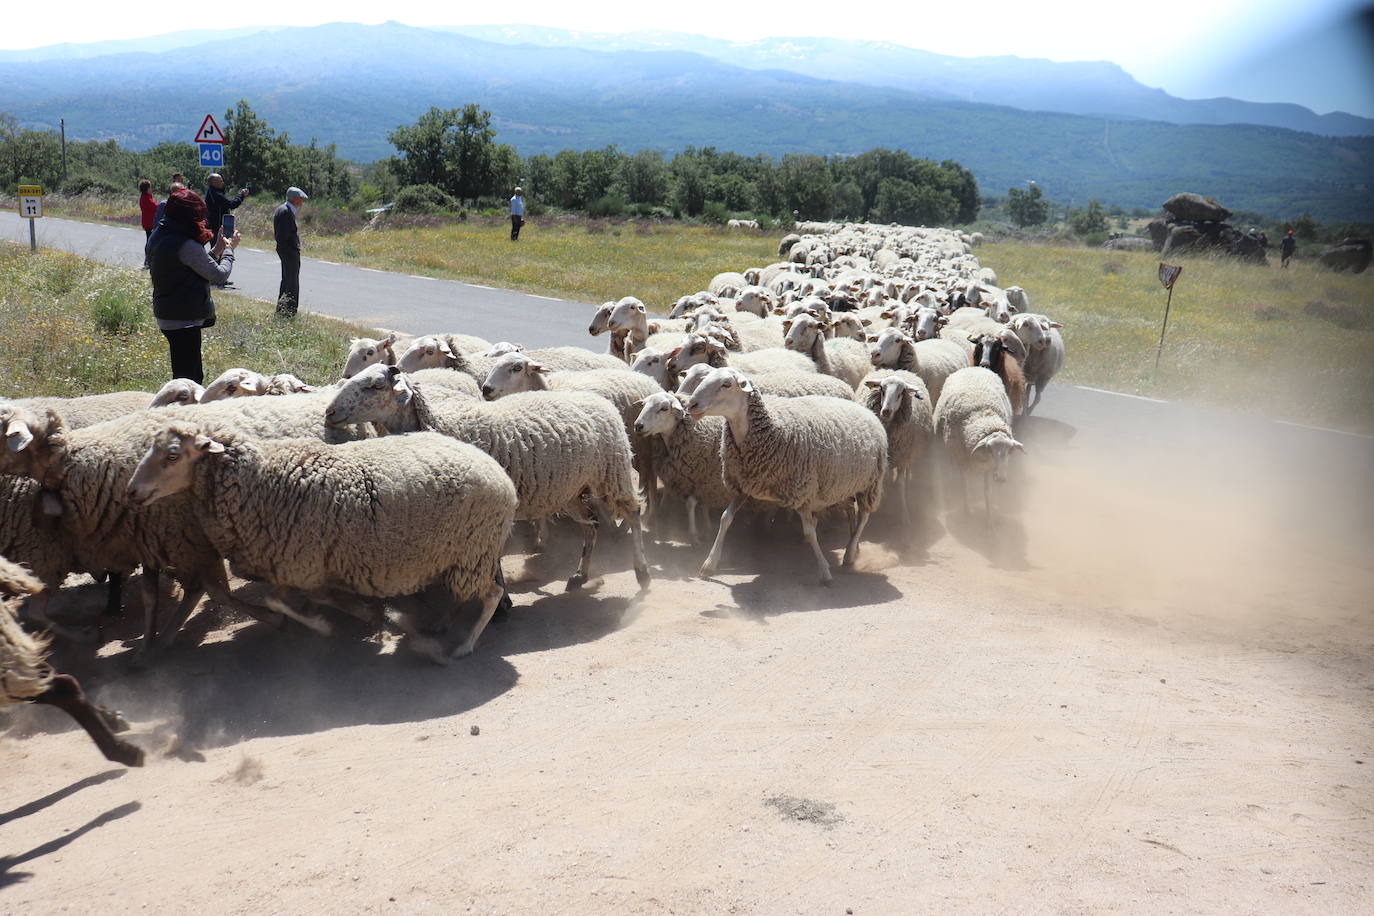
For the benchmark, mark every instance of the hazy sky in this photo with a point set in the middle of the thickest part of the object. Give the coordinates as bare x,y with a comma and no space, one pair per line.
1307,51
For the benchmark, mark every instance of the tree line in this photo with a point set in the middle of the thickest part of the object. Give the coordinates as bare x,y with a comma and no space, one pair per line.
450,158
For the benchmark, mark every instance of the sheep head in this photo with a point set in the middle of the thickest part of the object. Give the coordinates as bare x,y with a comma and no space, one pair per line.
168,467
513,373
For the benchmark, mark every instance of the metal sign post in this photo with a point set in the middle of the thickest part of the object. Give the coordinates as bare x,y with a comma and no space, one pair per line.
1168,275
31,208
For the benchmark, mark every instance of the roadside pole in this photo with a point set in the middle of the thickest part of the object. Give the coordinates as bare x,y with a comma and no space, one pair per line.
1168,275
31,208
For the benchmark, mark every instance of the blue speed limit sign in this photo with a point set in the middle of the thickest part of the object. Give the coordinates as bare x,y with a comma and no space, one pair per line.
211,155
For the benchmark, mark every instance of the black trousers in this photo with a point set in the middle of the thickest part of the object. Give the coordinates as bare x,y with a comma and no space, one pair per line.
147,234
289,293
184,344
515,223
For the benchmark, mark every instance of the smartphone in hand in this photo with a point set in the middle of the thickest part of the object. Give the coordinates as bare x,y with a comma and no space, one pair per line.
228,225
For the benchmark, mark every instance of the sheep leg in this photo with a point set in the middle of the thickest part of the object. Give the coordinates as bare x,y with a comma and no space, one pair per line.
65,693
851,551
637,540
152,594
191,593
220,593
315,622
114,594
693,534
541,533
808,523
708,568
584,516
489,602
904,486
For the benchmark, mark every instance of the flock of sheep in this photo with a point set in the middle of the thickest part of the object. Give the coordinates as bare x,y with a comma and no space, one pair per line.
861,357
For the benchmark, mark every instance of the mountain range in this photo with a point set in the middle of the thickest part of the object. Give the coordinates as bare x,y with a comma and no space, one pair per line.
350,84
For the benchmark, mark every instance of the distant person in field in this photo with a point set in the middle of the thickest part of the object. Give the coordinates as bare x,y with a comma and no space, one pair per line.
289,250
517,214
182,272
147,211
217,203
175,186
1286,249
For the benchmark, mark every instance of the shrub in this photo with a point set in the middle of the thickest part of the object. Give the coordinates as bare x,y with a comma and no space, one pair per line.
766,223
423,198
607,205
1094,239
117,306
714,212
91,186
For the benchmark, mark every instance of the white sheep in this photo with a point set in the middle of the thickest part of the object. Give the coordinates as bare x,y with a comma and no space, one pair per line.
843,358
902,402
235,383
973,423
368,351
783,384
25,676
687,455
699,347
86,410
727,284
177,391
1044,353
932,360
654,364
558,447
808,454
264,504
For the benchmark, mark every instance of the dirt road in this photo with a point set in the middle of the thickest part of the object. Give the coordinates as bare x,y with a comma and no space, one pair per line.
1138,693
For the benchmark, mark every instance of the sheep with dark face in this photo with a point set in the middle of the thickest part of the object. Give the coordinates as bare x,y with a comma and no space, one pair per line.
997,353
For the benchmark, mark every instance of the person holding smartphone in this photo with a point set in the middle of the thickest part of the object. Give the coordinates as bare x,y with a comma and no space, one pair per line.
182,272
218,204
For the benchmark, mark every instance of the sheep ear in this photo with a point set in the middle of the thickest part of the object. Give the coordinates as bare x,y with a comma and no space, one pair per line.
787,326
447,349
208,445
885,313
393,371
779,310
673,352
872,383
942,321
536,367
1018,446
387,342
866,322
745,385
915,392
18,436
871,338
1055,324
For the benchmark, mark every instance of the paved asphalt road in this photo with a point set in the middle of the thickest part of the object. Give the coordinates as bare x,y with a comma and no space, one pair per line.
1314,474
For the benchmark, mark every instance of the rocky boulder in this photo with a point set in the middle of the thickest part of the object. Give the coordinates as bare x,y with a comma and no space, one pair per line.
1348,254
1196,208
1159,232
1182,237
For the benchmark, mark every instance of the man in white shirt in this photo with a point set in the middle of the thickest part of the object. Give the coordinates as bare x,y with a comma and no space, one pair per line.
517,214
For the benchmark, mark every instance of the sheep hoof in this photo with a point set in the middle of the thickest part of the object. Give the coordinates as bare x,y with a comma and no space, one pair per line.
707,570
127,754
576,582
642,576
430,649
827,580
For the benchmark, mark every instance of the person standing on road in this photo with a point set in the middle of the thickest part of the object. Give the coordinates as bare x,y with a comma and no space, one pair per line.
147,212
289,250
182,271
1286,249
175,186
217,203
517,214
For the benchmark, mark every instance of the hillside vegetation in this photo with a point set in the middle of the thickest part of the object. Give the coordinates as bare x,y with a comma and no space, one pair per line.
350,85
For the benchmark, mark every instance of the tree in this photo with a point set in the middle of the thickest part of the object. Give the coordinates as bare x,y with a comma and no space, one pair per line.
807,186
733,190
849,200
689,182
1305,227
471,154
643,178
900,201
34,155
450,148
1027,208
1089,220
254,154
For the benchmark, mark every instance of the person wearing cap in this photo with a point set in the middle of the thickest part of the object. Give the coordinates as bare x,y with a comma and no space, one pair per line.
217,203
289,251
517,214
1286,249
182,272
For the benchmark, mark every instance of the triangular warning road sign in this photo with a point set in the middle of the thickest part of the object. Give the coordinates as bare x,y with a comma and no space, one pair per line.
209,131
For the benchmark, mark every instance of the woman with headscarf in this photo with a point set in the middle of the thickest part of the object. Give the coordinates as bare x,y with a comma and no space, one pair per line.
182,271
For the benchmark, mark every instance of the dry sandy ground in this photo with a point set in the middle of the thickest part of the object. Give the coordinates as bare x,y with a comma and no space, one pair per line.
1132,696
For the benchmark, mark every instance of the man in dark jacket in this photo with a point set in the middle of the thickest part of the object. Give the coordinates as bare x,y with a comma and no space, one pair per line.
289,250
1286,249
217,203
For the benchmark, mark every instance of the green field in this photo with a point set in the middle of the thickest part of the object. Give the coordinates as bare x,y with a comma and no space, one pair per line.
1240,336
71,326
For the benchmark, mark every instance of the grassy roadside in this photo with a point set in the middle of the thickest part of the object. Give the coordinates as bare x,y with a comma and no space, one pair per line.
1293,344
72,326
584,259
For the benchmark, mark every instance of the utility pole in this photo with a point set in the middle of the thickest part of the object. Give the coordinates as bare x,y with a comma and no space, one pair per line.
63,123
